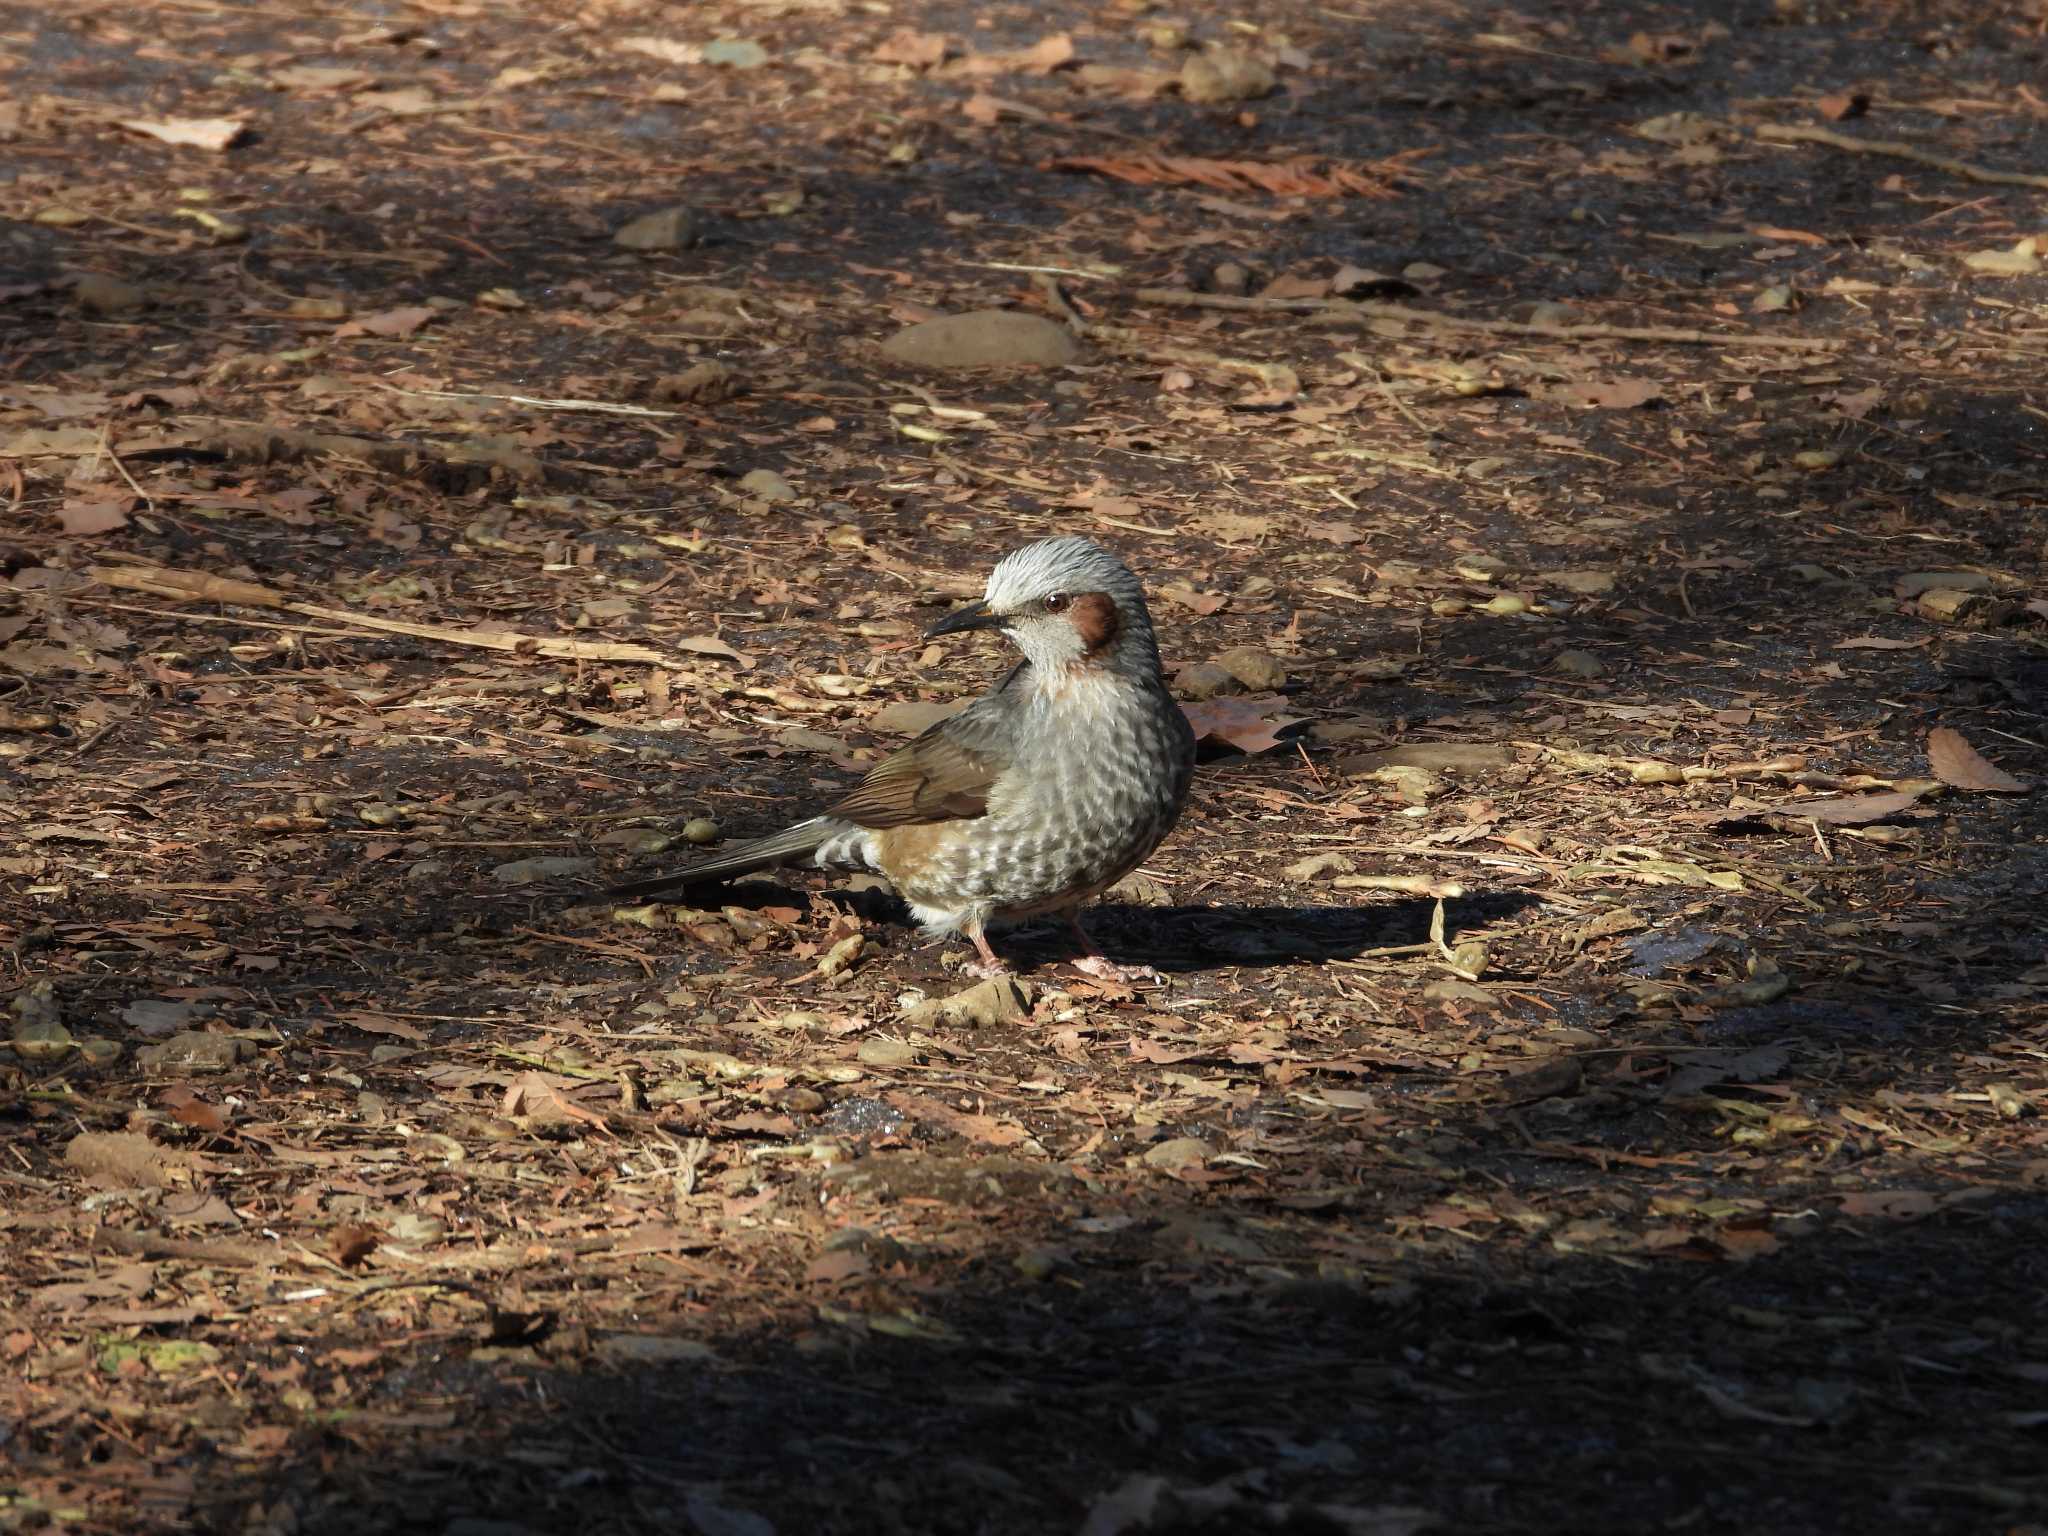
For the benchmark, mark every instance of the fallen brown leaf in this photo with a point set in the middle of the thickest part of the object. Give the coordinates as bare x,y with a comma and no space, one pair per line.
1959,765
1611,394
1203,603
352,1244
391,322
1848,810
82,518
711,645
198,132
1250,723
188,1108
919,50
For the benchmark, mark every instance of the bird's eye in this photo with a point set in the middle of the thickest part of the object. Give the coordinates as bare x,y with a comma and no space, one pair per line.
1057,603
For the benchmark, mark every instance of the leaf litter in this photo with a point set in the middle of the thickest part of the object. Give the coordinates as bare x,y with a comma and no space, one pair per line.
1602,993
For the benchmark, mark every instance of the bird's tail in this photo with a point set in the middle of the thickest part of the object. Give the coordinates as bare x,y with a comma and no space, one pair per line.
761,853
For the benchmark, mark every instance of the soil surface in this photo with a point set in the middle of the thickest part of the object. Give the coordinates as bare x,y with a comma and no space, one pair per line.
1590,467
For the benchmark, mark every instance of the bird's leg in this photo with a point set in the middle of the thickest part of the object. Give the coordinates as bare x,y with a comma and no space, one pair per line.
1093,962
990,965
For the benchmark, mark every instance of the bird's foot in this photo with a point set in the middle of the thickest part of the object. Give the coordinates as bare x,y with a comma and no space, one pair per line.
990,965
1093,962
1102,968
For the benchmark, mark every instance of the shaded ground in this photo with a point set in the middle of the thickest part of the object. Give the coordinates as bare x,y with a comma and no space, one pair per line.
363,1173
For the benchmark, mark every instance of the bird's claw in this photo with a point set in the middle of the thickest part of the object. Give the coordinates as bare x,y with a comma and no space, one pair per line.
1102,968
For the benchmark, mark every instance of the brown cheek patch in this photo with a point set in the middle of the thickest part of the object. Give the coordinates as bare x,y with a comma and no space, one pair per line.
1093,616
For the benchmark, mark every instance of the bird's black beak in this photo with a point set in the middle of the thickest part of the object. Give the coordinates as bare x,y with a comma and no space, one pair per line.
960,620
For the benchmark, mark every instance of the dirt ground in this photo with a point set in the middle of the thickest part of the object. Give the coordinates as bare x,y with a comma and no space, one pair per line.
1596,1081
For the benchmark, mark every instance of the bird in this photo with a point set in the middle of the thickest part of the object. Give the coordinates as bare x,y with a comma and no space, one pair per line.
1038,796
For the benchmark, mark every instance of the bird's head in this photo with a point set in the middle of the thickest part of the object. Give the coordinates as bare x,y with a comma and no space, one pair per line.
1065,603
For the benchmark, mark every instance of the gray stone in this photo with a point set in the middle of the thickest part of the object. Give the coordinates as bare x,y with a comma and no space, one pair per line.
671,229
985,338
1225,74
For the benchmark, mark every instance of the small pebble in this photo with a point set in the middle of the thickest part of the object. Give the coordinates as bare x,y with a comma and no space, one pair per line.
104,295
1205,680
767,485
669,230
1253,667
881,1052
1230,277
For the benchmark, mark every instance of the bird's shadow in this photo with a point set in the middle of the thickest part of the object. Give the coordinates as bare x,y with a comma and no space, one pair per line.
1183,939
1176,939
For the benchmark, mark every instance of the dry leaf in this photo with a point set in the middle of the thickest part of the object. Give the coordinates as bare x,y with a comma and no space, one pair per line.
392,322
543,1100
82,518
1233,527
378,1024
711,645
188,1108
49,442
1204,603
1848,810
2023,259
1335,533
1043,56
988,110
319,77
387,526
920,50
1610,394
198,132
1250,723
1957,764
668,50
353,1243
1796,236
1291,285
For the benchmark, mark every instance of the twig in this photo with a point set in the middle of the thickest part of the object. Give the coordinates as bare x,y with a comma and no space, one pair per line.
1396,402
538,402
1795,133
1406,885
1049,285
192,586
1791,768
107,447
534,645
1014,266
85,745
152,1245
1385,951
324,631
980,472
1364,310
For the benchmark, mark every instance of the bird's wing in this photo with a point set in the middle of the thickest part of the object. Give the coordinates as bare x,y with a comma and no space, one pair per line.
944,774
